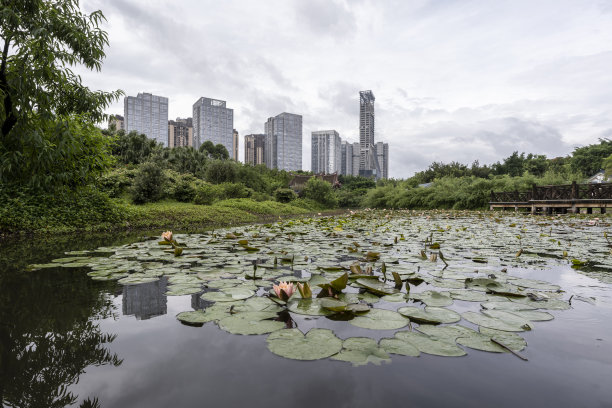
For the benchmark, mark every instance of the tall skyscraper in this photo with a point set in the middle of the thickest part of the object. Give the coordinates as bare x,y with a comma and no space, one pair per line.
326,152
284,142
356,158
180,132
213,121
234,153
254,149
147,114
366,130
382,156
346,158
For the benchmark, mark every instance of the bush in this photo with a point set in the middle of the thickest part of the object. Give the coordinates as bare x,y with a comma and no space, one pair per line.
235,190
321,192
206,194
148,184
117,182
221,171
284,195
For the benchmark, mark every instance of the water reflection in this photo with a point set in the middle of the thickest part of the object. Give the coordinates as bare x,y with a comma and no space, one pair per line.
145,300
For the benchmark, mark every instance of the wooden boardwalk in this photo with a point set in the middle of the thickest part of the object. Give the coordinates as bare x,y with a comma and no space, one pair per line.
560,199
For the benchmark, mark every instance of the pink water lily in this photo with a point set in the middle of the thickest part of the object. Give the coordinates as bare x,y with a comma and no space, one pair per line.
167,236
286,287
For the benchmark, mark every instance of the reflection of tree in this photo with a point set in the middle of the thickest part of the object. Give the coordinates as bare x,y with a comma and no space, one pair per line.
48,335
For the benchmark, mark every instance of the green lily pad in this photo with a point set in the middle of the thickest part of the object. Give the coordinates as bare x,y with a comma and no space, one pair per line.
257,304
361,351
429,315
315,345
223,283
311,307
228,295
511,323
534,284
508,306
432,298
248,323
211,313
469,295
528,315
333,304
397,346
137,279
430,345
475,340
180,290
550,304
376,287
395,298
380,319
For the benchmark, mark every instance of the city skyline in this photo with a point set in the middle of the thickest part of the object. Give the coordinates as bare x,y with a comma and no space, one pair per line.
461,76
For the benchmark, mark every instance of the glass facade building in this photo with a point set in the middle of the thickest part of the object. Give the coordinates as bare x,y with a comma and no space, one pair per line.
366,129
382,156
326,153
254,149
147,114
213,121
284,142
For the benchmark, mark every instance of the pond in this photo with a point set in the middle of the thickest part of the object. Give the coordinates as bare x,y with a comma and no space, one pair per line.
421,309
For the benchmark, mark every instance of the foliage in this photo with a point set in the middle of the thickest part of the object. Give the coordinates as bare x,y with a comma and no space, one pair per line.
235,190
184,159
588,160
133,148
206,194
116,182
221,171
321,192
148,184
284,195
218,151
46,137
182,187
256,207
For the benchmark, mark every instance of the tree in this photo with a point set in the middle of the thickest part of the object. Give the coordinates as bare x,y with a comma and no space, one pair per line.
133,148
41,41
588,159
213,151
320,191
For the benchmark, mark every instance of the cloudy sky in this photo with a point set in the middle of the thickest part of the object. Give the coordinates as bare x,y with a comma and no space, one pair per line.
453,79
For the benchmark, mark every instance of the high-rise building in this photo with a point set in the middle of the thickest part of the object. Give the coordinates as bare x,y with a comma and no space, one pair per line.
346,158
356,158
117,121
366,130
254,149
234,153
147,114
213,121
382,156
180,132
326,152
284,142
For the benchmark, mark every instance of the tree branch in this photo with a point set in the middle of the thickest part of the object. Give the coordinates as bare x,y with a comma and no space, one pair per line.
10,120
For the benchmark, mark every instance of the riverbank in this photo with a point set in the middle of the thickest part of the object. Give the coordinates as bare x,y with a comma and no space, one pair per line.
94,212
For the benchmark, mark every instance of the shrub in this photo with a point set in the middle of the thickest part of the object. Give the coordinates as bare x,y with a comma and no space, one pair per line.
116,182
284,195
321,192
235,190
206,194
148,184
221,171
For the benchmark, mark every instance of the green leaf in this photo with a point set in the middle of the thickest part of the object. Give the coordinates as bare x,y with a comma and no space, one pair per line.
315,345
361,351
248,323
380,319
429,315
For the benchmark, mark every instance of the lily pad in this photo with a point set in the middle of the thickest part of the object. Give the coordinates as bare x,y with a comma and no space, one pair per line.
469,295
510,323
315,345
248,323
429,315
397,346
137,279
311,307
361,351
376,287
228,295
550,304
430,345
380,319
433,298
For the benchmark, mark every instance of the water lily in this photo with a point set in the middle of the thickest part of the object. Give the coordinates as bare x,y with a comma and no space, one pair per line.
286,287
167,236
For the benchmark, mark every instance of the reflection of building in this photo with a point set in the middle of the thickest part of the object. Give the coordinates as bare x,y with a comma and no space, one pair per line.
326,152
234,153
197,303
116,120
284,142
145,300
147,114
254,149
213,121
180,132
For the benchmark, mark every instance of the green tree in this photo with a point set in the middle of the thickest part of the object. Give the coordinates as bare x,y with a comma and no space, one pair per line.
134,147
41,41
213,151
221,171
321,192
588,159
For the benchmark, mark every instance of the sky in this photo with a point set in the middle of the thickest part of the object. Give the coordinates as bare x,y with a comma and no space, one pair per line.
454,80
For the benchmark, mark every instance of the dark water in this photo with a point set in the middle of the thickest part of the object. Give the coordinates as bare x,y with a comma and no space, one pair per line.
66,338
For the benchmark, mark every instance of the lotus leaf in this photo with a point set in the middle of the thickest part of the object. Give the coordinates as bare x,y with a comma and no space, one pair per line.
429,315
315,345
433,298
361,351
380,319
228,295
430,344
248,323
511,323
376,287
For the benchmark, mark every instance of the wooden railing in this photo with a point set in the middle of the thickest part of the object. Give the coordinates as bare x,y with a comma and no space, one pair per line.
574,191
